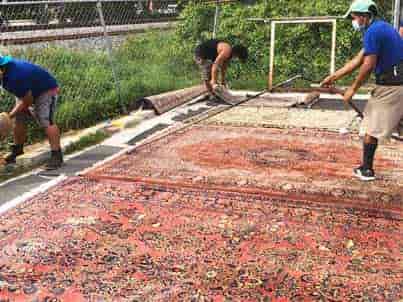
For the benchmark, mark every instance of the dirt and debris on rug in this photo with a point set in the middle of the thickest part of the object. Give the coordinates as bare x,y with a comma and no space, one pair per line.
260,116
104,240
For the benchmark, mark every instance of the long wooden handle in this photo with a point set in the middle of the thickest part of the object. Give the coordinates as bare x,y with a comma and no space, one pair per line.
330,90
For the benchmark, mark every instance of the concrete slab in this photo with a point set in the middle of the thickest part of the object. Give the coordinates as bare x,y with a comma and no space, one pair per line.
17,187
84,160
20,186
147,133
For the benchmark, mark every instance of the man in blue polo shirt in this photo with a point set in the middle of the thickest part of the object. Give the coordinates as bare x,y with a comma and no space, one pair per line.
36,92
382,53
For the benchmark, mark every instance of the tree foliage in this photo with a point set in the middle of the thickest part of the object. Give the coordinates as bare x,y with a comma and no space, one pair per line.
299,48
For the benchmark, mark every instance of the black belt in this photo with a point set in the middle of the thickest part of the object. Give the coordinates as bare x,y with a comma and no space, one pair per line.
392,77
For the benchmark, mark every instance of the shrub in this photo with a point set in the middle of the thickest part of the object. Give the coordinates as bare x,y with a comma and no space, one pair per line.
299,48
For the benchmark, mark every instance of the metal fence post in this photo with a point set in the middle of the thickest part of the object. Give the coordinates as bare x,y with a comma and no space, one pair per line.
108,44
396,13
216,15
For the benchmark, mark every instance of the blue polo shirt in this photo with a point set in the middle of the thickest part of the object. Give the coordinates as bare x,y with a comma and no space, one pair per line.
22,77
382,39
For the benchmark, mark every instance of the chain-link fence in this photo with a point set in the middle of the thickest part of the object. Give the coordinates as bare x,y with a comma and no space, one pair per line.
105,54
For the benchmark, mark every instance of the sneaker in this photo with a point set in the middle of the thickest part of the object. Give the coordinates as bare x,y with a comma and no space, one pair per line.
55,162
364,174
11,158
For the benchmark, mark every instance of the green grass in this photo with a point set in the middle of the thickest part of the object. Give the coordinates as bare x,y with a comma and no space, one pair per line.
87,141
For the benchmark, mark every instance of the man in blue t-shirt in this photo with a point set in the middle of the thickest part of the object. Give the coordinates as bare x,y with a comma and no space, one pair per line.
382,53
36,92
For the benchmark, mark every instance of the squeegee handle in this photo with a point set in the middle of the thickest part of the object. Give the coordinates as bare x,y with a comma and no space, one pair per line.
355,108
286,82
336,90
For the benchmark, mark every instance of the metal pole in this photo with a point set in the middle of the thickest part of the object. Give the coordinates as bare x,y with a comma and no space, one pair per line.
396,14
217,12
108,44
401,14
333,52
274,22
271,67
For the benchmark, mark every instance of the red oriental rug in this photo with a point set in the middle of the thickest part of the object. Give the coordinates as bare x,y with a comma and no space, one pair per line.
301,165
104,240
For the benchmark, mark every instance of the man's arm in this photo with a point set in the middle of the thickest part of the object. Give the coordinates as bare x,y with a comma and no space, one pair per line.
366,68
23,105
348,68
224,53
401,31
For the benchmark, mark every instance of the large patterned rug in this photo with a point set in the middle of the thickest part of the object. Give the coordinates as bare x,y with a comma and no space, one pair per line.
104,240
301,165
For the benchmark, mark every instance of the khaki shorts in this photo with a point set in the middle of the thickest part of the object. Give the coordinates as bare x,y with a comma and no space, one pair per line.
42,110
383,114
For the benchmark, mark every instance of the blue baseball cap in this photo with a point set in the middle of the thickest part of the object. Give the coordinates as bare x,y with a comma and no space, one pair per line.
5,60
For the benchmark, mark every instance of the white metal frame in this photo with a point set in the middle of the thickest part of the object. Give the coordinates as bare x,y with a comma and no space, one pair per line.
396,13
304,20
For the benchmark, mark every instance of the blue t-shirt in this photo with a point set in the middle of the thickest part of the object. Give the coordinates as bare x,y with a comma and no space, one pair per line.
382,39
22,77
